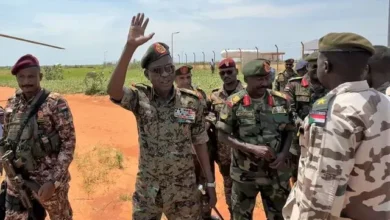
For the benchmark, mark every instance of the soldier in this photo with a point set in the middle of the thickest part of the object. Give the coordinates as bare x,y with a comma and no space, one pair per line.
257,124
46,145
183,79
228,73
300,68
1,121
283,77
379,69
343,169
170,121
304,91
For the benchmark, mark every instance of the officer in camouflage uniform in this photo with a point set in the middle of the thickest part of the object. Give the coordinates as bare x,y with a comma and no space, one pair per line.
228,73
183,79
344,165
257,124
300,68
170,122
379,69
304,91
283,77
46,145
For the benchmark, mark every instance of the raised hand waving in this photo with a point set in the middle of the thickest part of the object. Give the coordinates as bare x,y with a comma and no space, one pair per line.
136,35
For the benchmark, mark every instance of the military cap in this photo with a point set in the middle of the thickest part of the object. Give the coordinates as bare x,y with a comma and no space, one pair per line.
24,62
226,63
289,61
300,65
256,68
184,69
313,57
350,42
154,52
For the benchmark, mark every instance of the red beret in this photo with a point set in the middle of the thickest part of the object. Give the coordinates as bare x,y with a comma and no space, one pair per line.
25,61
226,63
289,61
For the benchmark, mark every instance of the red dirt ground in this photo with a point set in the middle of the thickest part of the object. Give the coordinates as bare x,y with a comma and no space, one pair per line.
100,123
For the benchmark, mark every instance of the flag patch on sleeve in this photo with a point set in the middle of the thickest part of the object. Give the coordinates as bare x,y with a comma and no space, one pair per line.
318,117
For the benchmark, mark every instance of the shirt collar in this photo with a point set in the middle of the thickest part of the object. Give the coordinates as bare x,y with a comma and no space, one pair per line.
356,86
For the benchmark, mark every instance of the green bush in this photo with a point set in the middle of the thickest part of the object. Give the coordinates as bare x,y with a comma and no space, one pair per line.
55,72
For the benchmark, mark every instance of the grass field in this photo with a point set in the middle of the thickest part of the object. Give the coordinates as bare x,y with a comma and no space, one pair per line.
73,81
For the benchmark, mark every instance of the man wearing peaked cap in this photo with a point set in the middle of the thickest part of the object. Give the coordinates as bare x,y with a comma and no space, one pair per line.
283,77
171,122
47,156
257,124
220,152
184,80
341,135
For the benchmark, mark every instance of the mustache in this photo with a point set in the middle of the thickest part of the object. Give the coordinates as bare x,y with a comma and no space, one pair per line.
27,85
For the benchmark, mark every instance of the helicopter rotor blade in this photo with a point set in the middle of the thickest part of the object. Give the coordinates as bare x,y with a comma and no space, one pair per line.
30,41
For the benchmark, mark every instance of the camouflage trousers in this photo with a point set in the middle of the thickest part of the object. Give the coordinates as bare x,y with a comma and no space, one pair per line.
224,160
295,151
58,206
244,200
177,197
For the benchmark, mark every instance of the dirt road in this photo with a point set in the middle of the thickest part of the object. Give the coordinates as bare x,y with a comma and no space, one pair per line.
101,124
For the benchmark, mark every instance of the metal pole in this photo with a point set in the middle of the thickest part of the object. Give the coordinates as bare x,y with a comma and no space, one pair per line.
194,58
277,58
172,42
257,52
30,41
303,49
179,57
240,58
186,57
204,60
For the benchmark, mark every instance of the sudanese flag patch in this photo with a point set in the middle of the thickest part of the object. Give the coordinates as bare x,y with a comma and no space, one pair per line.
318,117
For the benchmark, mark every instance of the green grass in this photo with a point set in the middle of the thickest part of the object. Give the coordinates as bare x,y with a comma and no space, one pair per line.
74,79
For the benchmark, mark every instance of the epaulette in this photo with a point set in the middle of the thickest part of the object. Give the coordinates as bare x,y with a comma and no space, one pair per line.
322,104
236,97
189,91
279,94
295,78
141,86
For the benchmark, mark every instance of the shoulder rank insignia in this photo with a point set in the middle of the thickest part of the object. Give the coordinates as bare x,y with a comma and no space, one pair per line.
295,78
236,99
281,77
188,91
279,94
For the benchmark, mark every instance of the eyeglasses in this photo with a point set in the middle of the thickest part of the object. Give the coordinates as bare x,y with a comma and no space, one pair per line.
169,68
227,72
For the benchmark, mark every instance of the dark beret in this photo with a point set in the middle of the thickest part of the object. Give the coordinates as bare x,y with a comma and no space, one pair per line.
349,42
313,57
300,65
226,63
184,69
256,67
24,62
289,61
154,52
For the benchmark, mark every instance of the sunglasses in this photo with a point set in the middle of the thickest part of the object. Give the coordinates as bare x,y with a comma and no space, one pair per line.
227,72
169,68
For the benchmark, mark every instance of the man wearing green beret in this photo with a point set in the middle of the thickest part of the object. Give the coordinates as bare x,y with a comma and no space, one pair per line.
183,80
257,124
343,168
283,77
379,69
304,91
170,121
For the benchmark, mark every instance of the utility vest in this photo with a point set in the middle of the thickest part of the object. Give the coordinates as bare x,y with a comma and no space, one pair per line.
34,143
302,94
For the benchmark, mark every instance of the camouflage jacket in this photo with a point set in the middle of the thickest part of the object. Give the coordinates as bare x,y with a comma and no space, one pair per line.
282,80
383,87
203,98
166,131
302,95
54,116
344,165
259,122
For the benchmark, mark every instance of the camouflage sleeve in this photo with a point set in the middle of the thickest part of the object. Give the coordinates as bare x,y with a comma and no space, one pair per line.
328,163
7,115
198,129
227,118
129,100
290,91
63,122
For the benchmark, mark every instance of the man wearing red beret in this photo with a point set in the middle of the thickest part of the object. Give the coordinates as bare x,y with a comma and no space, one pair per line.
45,146
283,77
228,73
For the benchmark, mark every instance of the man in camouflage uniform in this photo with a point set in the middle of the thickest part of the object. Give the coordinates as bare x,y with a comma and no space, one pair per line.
300,68
344,169
257,124
304,91
183,79
283,77
170,122
46,145
379,69
228,73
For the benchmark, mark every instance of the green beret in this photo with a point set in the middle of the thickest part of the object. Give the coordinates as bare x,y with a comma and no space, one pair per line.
338,42
256,67
154,52
183,69
312,57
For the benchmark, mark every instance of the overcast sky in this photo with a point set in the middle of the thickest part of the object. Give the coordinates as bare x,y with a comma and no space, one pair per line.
88,28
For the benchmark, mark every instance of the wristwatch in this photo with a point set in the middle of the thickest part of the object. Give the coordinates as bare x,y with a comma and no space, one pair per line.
210,184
